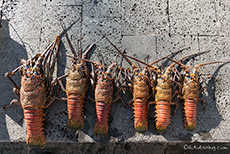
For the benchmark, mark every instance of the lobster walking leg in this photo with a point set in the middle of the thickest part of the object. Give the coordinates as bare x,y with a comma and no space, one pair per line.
14,101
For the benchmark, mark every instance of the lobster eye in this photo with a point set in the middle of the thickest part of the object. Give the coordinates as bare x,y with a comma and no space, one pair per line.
36,73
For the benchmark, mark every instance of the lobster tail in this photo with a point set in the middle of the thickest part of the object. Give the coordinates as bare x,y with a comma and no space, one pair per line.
102,116
140,114
34,127
190,114
75,112
162,116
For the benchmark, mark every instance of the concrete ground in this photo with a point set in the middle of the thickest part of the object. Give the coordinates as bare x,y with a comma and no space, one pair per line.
141,28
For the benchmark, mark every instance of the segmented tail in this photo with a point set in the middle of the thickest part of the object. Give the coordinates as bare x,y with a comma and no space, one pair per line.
163,115
102,117
190,114
140,115
75,111
34,127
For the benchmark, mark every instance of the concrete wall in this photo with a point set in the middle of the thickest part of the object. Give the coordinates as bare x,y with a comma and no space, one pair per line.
141,27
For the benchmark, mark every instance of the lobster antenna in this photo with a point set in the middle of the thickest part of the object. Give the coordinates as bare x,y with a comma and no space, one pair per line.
64,31
67,38
142,62
177,62
90,61
189,56
80,45
169,55
88,49
129,61
199,65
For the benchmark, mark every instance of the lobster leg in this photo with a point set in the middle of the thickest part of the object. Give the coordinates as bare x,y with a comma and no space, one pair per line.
91,99
203,101
84,56
53,99
15,85
8,74
174,103
14,101
59,81
119,97
129,102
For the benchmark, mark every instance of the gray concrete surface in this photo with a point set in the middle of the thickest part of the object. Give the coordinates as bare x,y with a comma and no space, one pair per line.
143,27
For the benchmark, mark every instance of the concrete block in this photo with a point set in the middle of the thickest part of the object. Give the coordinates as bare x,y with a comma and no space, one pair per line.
101,9
112,29
221,94
219,47
138,27
192,18
68,15
223,16
166,45
11,54
12,124
144,17
62,2
55,123
25,18
140,47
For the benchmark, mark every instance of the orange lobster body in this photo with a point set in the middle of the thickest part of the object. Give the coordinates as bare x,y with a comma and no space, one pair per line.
36,91
141,90
190,93
76,88
163,98
103,98
33,98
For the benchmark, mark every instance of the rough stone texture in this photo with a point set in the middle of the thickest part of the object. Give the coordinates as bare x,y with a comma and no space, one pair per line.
198,17
144,17
142,28
223,13
101,8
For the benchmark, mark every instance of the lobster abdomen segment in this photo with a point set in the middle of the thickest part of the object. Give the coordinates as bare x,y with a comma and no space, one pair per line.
140,115
34,127
190,114
102,117
162,115
75,104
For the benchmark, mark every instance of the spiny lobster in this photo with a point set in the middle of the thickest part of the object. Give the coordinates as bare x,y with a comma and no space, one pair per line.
77,84
164,93
104,90
36,91
190,93
141,89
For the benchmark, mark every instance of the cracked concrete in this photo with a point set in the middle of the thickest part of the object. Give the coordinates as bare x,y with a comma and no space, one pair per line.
146,27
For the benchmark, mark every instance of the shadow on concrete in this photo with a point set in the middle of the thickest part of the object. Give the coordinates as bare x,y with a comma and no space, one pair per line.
204,122
11,52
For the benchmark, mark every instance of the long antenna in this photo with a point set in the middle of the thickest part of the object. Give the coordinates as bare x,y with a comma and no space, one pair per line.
90,61
188,57
129,61
169,55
